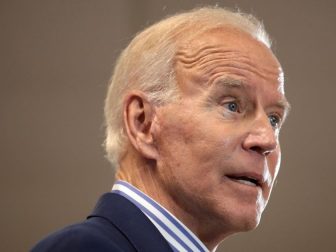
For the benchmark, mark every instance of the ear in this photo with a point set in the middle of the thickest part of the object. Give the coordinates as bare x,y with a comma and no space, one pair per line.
138,120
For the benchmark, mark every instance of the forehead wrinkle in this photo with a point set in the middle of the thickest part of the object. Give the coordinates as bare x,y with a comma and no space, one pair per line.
190,58
209,59
233,72
238,64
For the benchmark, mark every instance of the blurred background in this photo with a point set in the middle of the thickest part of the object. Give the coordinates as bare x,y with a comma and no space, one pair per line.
55,61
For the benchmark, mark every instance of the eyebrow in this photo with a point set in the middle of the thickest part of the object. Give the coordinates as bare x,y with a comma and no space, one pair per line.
231,83
283,104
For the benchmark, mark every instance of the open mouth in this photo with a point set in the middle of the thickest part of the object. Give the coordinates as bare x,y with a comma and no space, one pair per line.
246,180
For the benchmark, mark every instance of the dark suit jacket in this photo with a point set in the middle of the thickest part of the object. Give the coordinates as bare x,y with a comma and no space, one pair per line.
116,224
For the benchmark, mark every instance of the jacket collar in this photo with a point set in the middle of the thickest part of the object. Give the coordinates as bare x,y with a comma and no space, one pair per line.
131,222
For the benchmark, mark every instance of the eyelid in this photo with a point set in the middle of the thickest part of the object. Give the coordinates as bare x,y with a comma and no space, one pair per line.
228,99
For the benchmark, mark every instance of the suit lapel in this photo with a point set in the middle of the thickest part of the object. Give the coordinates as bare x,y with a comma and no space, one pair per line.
138,229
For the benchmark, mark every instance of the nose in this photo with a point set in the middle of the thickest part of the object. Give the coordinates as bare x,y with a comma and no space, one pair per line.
262,137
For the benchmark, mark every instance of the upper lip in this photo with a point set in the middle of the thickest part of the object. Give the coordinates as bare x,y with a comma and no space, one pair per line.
256,178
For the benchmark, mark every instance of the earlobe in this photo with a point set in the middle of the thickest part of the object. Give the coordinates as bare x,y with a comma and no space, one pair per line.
138,120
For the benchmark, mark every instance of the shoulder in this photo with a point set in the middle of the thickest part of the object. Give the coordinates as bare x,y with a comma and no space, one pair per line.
95,234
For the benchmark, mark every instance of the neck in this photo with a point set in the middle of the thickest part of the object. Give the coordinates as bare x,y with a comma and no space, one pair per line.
143,175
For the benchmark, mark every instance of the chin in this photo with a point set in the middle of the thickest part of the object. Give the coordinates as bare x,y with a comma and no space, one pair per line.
245,220
244,225
248,216
236,221
251,224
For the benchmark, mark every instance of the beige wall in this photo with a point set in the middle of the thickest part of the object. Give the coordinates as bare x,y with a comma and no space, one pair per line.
55,60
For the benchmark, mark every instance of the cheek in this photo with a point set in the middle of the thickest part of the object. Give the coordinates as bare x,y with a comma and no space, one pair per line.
172,136
199,157
183,149
196,148
273,166
274,163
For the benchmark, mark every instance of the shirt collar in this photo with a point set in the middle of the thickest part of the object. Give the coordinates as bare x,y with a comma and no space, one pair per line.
179,237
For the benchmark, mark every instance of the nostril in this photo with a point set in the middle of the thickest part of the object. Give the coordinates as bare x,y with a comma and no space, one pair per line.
266,153
260,150
256,149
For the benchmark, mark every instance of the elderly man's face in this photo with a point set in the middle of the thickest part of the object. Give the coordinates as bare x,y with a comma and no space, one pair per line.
218,145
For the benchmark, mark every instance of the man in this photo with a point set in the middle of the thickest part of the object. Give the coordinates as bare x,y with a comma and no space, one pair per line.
193,114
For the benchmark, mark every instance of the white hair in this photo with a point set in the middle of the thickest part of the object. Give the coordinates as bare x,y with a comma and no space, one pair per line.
147,63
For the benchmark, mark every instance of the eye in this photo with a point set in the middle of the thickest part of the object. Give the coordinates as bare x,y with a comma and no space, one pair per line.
232,106
274,121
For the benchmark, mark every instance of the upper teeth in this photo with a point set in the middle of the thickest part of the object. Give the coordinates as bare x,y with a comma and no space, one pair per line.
246,182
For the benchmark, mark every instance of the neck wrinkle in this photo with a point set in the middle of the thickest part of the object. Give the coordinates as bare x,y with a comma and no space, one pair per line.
143,176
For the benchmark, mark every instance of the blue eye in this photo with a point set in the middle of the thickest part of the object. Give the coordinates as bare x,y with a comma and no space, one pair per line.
232,106
274,121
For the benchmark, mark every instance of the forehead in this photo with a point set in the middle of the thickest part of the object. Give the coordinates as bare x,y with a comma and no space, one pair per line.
231,39
226,53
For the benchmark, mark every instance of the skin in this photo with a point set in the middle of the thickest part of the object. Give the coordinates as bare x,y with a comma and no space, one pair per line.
188,154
